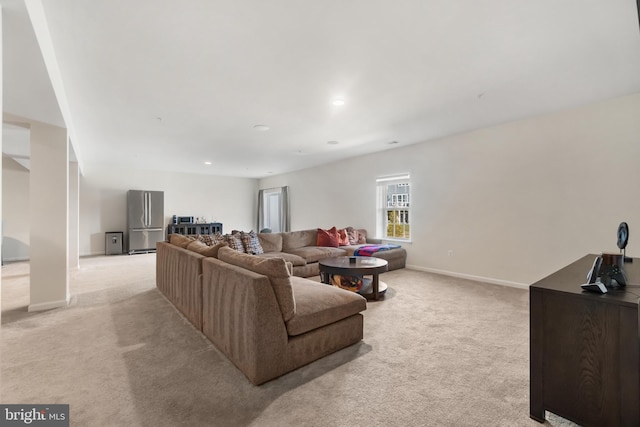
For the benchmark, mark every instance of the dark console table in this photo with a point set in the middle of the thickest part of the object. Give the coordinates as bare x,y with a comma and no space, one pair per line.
584,356
195,228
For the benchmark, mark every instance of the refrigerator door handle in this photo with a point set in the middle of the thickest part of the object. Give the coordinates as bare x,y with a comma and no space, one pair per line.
145,209
148,209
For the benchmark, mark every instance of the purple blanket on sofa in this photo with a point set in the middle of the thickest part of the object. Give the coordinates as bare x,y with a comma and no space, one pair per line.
369,250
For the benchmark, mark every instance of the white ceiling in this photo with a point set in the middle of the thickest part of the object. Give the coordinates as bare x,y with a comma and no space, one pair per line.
166,85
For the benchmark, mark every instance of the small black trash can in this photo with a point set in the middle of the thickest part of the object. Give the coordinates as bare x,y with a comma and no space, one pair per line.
113,243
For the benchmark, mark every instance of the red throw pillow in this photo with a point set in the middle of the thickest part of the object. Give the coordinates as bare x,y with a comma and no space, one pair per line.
343,237
328,237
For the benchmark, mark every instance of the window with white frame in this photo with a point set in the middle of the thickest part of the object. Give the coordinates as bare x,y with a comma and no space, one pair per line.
394,207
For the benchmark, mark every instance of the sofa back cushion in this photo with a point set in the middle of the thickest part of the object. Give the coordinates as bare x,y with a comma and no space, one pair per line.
299,239
274,268
202,248
180,240
271,242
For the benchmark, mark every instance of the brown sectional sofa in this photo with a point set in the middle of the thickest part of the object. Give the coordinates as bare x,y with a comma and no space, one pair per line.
266,321
299,248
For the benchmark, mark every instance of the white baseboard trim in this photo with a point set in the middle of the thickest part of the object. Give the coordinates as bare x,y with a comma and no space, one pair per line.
15,259
90,254
470,277
49,305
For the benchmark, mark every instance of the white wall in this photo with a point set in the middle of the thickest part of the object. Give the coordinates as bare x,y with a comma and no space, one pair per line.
1,166
103,204
74,214
514,202
15,211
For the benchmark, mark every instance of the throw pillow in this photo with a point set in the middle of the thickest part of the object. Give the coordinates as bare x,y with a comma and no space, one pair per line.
343,238
234,241
207,239
275,269
352,235
362,236
328,238
180,240
251,243
356,236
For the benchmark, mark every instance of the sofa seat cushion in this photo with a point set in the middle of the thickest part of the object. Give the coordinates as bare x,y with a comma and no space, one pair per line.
274,268
296,260
318,305
316,253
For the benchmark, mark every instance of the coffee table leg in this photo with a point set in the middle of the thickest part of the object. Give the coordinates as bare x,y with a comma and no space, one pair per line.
325,278
375,287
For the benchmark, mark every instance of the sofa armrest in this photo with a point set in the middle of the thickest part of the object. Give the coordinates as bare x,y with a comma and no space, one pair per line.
242,318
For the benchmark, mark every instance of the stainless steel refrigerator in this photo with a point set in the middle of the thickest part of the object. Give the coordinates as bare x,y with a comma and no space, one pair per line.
145,220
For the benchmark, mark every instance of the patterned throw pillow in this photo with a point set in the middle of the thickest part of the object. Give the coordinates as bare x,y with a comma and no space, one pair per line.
352,235
251,243
211,239
205,238
234,241
362,236
356,236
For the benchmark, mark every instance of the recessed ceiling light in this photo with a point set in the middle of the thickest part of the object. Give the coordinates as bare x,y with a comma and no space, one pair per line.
333,142
338,101
261,127
207,163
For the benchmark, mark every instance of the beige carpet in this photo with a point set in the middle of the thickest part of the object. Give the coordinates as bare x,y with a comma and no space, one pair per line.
437,351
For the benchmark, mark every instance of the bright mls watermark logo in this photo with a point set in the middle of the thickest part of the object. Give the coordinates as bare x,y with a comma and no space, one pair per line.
34,415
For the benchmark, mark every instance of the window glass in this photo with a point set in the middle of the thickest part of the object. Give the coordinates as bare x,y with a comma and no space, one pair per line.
394,207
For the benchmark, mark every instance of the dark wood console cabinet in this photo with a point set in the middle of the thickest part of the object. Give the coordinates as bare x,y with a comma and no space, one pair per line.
210,228
584,348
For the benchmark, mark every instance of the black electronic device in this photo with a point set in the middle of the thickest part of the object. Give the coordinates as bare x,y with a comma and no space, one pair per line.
593,280
185,220
623,239
611,271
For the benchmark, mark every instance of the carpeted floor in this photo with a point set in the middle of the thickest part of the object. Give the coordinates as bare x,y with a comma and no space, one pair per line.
437,351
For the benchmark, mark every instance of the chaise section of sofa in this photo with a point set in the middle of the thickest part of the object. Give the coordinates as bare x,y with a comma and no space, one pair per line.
244,316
